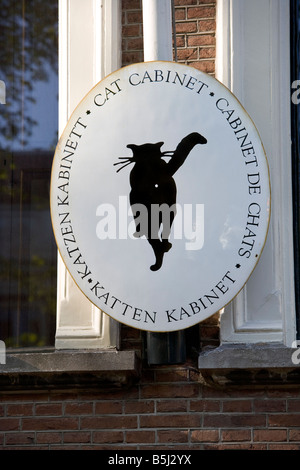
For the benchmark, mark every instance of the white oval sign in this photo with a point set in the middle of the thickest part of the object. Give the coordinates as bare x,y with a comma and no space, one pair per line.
160,196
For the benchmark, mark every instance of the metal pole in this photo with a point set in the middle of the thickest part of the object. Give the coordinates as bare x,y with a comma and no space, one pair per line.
162,348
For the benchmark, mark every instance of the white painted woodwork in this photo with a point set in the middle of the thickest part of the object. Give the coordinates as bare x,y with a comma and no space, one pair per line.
89,49
157,30
253,61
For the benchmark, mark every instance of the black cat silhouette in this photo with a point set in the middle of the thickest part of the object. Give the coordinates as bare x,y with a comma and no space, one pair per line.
152,185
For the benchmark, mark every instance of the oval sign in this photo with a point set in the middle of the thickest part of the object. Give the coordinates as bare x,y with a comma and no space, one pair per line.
160,196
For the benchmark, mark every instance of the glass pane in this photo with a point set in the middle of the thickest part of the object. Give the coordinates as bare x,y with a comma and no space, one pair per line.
28,135
295,128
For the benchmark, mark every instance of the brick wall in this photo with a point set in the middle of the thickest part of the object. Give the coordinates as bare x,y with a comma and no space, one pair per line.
195,33
170,407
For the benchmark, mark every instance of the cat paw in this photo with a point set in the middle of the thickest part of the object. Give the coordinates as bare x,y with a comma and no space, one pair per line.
158,263
155,267
166,246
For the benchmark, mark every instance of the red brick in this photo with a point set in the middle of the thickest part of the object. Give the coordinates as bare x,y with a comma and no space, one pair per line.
41,424
174,421
20,409
209,53
19,438
237,406
139,407
131,31
48,437
267,405
180,14
284,447
201,40
293,405
79,436
207,66
48,409
205,405
108,437
135,44
134,17
207,25
78,408
270,435
171,436
187,54
284,420
167,406
109,422
294,435
108,407
135,437
233,420
205,436
201,12
236,435
131,4
9,424
131,57
186,27
180,40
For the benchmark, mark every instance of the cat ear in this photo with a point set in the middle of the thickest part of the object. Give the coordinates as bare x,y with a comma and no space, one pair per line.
159,144
132,146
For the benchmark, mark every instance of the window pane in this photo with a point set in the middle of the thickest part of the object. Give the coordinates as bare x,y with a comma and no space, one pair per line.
295,128
28,134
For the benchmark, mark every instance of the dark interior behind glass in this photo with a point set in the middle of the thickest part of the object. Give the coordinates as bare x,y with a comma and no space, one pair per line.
28,135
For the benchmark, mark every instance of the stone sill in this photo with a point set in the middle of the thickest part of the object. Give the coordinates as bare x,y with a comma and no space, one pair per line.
68,369
244,365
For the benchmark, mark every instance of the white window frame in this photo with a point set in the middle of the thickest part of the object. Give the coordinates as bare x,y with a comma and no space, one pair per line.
253,61
89,49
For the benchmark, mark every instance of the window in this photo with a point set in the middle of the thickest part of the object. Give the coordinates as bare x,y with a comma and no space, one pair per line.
295,120
28,135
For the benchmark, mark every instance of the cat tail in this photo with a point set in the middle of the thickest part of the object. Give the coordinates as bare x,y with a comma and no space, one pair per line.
183,149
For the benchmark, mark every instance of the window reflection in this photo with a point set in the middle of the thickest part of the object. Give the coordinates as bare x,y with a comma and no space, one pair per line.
295,128
28,135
